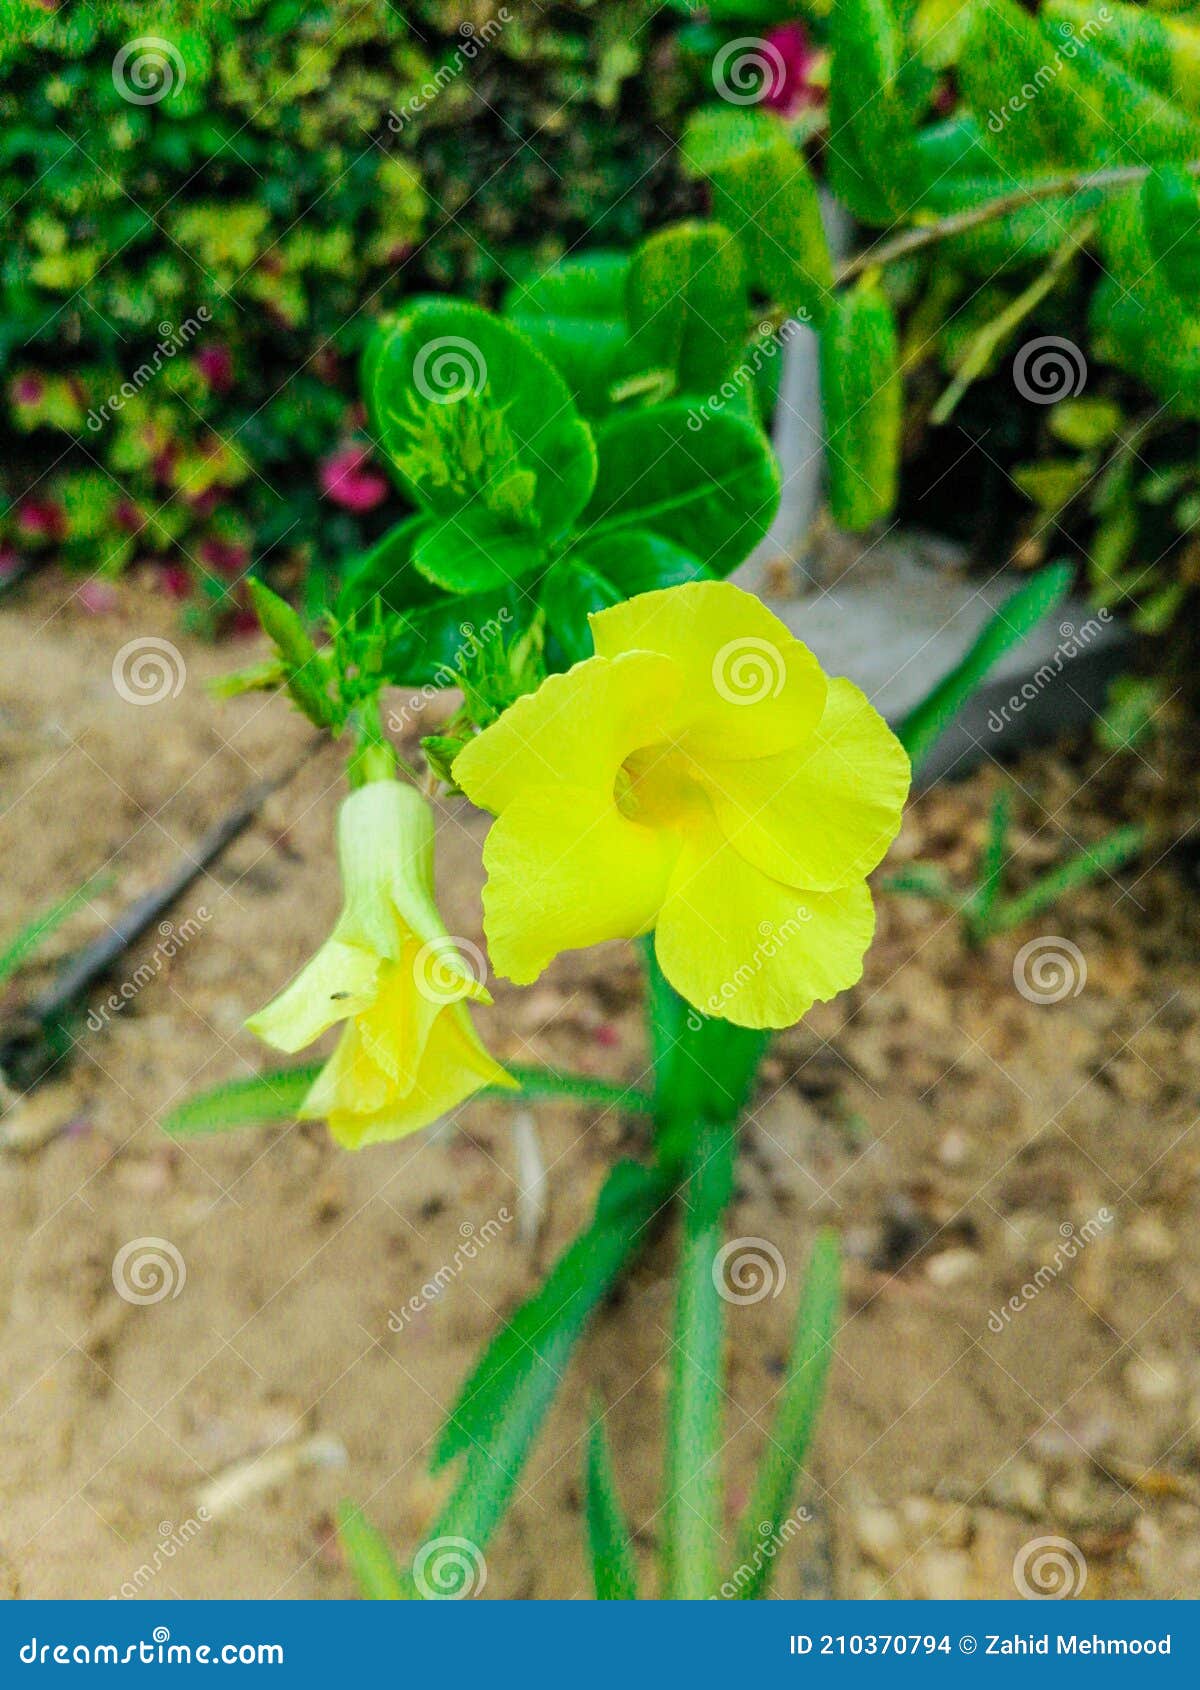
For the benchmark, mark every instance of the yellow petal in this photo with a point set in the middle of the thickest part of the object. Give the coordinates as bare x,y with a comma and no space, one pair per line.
455,1068
824,815
576,728
750,687
338,982
566,869
748,949
385,848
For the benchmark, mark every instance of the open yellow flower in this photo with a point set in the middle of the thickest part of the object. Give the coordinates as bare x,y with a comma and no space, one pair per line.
701,777
390,970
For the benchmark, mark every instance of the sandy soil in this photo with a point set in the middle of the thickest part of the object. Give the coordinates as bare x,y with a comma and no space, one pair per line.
957,1135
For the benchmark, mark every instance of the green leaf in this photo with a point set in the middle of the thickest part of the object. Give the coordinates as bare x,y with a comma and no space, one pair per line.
687,304
706,481
475,417
278,1095
17,950
764,1521
764,194
569,593
863,399
386,572
1005,628
371,1562
1108,854
637,561
434,646
275,1096
874,106
979,908
503,1404
1160,51
614,1569
574,313
1171,212
469,553
691,1507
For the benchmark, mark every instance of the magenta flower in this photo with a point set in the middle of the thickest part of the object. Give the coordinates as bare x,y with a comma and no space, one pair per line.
348,482
793,57
215,364
41,519
28,389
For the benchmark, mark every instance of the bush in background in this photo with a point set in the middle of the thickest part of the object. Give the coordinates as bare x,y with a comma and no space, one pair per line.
210,203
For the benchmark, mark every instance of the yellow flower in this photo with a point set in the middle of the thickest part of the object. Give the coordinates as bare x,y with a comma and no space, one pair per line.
389,970
701,777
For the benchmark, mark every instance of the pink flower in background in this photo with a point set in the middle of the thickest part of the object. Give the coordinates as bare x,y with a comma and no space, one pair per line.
792,89
346,479
177,583
28,389
215,364
224,557
98,598
41,519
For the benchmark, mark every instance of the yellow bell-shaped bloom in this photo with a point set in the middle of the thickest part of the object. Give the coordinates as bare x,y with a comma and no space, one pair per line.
392,973
701,777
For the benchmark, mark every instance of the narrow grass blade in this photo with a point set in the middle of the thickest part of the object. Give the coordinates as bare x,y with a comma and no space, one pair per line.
1005,628
23,944
614,1570
692,1501
370,1559
979,908
504,1402
1108,855
764,1525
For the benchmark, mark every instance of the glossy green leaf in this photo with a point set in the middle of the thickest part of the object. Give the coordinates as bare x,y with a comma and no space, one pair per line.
706,481
574,313
468,553
876,94
638,561
387,571
477,419
569,593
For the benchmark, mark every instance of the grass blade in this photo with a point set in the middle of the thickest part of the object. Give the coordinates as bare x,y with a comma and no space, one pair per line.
1005,628
370,1559
503,1404
692,1501
979,907
23,944
1110,853
614,1570
254,1102
764,1522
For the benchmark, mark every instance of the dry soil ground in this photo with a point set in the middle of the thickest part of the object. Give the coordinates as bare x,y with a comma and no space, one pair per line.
957,1134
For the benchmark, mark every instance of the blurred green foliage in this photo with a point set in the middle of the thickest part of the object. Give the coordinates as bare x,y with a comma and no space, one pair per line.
212,202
